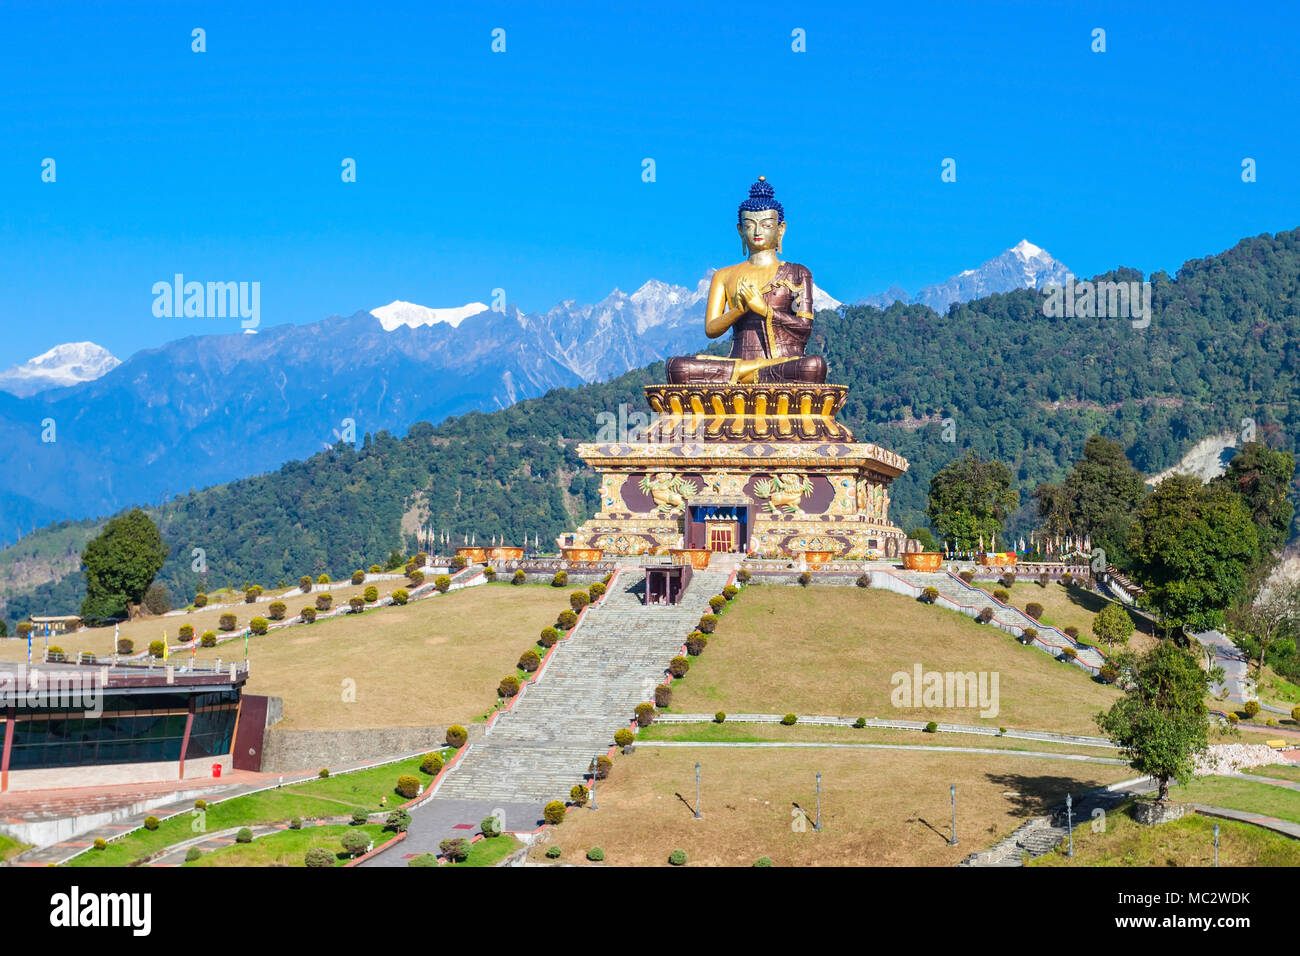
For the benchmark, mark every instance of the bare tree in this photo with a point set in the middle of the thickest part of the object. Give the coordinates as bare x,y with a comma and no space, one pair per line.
1274,614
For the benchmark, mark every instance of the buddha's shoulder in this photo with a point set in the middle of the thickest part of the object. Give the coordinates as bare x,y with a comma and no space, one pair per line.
795,269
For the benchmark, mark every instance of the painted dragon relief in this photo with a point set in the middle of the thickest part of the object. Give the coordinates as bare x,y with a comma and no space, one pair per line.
668,491
783,492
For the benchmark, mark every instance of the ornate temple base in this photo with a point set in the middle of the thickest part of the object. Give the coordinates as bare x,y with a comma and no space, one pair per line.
769,498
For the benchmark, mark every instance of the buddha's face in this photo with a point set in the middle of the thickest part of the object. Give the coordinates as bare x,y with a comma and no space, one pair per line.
761,230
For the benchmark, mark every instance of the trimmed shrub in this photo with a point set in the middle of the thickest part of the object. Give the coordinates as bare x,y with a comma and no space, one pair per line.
458,562
763,861
259,625
192,854
561,579
931,727
553,852
1034,610
529,661
489,573
304,584
967,576
251,594
519,577
696,642
1067,579
324,773
358,576
318,856
424,859
151,823
401,596
603,767
1109,673
491,827
717,602
1007,580
645,714
548,637
376,569
308,614
677,858
596,855
790,720
125,645
708,624
1251,709
579,795
323,579
805,579
579,600
245,835
359,817
1028,635
679,666
277,610
408,785
860,723
456,736
398,821
553,812
1000,594
1233,719
508,687
24,628
323,601
663,695
155,649
55,649
623,737
431,764
596,591
186,633
1295,714
356,604
226,622
743,576
371,594
441,584
157,599
1043,580
1068,653
200,804
355,843
200,600
863,581
101,843
566,620
421,558
730,592
1071,632
417,578
720,717
209,639
930,595
295,823
985,615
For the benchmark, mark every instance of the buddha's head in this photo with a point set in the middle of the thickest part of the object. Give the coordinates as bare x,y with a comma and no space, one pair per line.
761,220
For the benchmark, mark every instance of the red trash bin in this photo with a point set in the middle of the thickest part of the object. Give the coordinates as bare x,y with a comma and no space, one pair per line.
216,770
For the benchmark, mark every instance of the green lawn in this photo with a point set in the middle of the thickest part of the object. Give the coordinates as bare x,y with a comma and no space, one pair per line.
313,799
1185,842
1241,795
490,852
1278,771
289,847
10,847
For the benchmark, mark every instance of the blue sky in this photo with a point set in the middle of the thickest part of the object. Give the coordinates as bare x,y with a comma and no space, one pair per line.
523,170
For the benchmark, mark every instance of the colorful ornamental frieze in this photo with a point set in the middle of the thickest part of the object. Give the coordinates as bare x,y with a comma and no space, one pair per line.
744,454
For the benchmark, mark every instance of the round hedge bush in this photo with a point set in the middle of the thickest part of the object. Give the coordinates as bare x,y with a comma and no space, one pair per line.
708,623
355,843
358,576
696,642
519,577
663,696
259,625
359,817
155,649
318,856
561,579
717,602
596,591
424,859
226,622
529,661
679,666
186,633
101,843
553,852
125,645
548,637
304,584
323,579
324,601
596,855
245,835
790,719
456,736
677,858
931,727
645,714
603,767
578,795
200,600
370,594
308,614
730,592
743,576
1034,610
508,687
623,737
277,610
566,620
401,596
431,764
356,604
1000,595
1251,709
763,861
408,785
553,812
579,600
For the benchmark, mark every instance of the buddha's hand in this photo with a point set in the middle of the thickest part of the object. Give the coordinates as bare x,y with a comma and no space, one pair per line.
749,298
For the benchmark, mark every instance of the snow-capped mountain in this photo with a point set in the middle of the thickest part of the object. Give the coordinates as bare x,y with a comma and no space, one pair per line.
1023,266
69,364
398,313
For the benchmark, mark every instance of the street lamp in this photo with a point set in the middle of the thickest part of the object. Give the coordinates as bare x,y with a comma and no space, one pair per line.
818,825
952,792
1216,844
697,791
1069,821
594,766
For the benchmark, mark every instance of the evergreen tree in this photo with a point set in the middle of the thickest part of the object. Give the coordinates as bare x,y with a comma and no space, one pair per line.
1102,493
1262,476
120,564
970,498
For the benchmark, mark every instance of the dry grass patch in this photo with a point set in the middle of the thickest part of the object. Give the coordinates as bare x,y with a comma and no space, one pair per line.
1064,607
833,651
433,662
879,808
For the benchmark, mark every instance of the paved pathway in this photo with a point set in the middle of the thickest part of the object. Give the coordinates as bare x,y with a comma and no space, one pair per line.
1285,827
591,683
1004,751
1233,661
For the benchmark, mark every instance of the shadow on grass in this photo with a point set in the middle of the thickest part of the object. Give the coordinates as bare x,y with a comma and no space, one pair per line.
1036,795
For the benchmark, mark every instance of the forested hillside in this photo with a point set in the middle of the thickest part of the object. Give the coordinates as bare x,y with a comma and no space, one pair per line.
1016,385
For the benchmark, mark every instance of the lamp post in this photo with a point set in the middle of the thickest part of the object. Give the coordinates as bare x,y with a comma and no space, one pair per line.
697,791
1216,844
1069,821
952,793
594,766
818,825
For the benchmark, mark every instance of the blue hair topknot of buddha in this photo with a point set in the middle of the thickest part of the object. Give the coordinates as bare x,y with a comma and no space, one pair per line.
761,196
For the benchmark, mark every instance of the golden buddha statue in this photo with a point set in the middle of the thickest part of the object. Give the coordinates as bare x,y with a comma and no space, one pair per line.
766,303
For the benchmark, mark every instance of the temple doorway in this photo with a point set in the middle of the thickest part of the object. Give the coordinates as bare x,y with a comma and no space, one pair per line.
722,527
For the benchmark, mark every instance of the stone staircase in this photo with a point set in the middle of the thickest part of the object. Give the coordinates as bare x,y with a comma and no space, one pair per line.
1041,835
956,590
588,689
